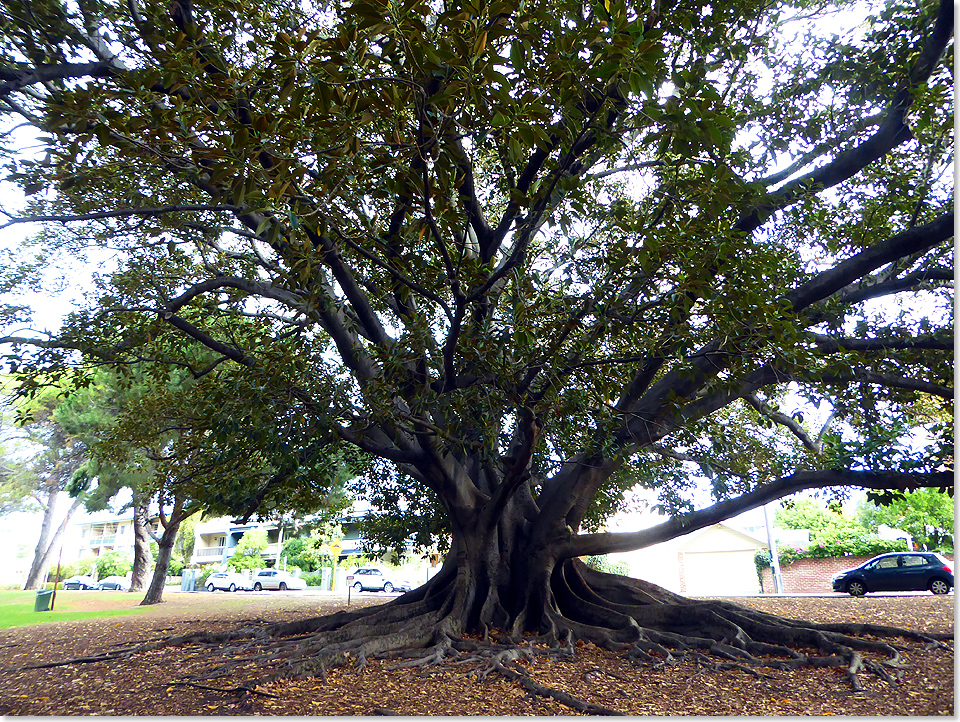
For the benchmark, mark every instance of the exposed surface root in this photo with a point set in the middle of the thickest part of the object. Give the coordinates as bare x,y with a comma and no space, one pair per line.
651,628
231,690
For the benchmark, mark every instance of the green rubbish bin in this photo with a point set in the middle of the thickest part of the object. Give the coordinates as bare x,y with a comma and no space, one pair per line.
43,601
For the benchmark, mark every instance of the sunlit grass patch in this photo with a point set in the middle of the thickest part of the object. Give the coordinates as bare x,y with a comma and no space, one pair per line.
16,607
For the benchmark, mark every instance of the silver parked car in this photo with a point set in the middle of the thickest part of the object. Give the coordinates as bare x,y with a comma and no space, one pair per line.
372,579
79,583
119,584
273,579
229,581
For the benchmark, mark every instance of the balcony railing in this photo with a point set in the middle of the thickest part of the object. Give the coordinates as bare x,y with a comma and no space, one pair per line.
210,552
103,541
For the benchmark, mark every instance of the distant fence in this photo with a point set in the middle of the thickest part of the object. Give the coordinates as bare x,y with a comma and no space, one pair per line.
810,576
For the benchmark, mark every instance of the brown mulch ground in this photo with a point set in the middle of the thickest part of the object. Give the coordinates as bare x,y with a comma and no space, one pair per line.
145,683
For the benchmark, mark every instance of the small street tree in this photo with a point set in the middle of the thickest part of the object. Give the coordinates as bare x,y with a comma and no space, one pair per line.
250,548
46,473
811,515
928,515
90,412
524,255
199,446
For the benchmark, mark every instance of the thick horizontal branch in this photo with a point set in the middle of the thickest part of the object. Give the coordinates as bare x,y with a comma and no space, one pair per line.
911,282
15,79
942,342
252,288
906,243
889,381
892,132
118,213
38,342
593,544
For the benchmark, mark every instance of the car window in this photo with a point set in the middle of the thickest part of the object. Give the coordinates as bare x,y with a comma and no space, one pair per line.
913,560
887,563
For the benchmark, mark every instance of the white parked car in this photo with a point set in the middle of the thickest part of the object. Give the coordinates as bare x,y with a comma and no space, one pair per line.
371,579
273,579
230,581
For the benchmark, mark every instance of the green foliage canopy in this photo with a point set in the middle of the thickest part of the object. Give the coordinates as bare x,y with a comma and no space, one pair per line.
527,254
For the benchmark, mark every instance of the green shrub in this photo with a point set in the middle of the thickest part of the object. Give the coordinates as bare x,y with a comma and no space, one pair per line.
312,580
176,565
113,564
864,545
78,568
603,564
301,552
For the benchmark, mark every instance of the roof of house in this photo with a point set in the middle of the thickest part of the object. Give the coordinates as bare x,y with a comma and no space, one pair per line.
719,538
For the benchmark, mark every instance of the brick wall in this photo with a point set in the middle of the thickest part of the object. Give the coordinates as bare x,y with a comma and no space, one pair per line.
810,576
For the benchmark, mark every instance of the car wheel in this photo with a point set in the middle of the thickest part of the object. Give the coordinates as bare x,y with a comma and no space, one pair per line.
258,587
388,587
233,587
939,586
283,586
209,587
856,588
358,587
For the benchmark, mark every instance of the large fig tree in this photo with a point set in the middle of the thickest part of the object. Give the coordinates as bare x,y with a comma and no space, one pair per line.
528,254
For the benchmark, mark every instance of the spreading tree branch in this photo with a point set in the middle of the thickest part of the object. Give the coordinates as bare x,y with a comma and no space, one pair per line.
606,543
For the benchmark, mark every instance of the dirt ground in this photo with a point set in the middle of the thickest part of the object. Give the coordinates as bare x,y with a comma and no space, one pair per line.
154,683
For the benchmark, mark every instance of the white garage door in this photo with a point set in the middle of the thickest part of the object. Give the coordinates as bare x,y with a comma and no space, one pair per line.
719,574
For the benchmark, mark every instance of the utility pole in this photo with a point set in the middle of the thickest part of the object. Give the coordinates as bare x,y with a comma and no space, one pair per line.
774,557
279,540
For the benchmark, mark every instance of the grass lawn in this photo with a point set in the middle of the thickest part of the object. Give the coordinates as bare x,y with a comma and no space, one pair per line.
16,607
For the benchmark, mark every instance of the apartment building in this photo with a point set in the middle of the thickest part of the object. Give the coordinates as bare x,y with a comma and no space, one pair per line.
216,540
105,531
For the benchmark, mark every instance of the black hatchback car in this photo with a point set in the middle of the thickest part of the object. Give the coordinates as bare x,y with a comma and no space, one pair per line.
899,572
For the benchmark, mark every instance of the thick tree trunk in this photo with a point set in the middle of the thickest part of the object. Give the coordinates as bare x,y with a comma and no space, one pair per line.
155,591
36,567
46,544
141,549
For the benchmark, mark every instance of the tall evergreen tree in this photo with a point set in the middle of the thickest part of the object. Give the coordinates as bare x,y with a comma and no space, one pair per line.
526,254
